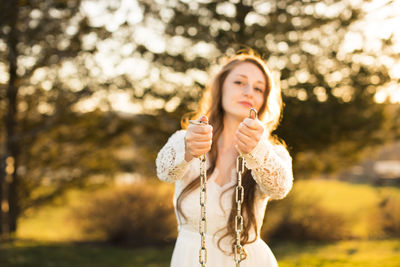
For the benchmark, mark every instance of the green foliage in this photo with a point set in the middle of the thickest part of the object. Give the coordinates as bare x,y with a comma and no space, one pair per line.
349,210
79,148
138,215
315,210
39,41
385,218
330,118
62,147
304,218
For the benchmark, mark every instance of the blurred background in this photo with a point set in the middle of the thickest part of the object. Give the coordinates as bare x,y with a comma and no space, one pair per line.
90,90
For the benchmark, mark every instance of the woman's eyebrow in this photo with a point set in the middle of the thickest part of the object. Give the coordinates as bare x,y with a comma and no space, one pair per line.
244,76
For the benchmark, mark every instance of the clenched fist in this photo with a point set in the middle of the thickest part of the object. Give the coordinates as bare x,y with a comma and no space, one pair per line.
248,134
198,139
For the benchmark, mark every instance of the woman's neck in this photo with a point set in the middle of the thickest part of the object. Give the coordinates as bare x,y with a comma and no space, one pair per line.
226,141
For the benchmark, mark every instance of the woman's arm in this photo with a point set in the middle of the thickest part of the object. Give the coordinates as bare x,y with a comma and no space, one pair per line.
170,163
271,167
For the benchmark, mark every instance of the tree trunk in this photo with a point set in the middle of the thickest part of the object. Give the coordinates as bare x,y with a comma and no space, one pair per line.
11,145
2,175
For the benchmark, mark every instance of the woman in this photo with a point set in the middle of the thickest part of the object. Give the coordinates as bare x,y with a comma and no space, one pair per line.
244,82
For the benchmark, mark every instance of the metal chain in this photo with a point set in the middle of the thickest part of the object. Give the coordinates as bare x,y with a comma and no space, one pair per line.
238,249
203,199
203,219
239,252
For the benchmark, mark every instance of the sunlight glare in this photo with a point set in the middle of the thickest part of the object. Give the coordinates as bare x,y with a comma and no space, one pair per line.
390,92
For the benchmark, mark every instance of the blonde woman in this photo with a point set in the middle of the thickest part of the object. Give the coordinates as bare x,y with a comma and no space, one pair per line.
244,82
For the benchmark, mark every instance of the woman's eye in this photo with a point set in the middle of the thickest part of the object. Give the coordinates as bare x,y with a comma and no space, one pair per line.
238,82
259,89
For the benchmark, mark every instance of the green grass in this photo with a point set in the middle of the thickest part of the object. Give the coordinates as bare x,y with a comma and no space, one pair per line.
354,253
383,253
52,222
46,236
25,253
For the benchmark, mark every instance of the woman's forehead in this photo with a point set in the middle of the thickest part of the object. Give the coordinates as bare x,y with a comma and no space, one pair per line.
248,70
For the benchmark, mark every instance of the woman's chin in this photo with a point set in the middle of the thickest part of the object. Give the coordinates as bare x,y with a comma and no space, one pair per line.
240,114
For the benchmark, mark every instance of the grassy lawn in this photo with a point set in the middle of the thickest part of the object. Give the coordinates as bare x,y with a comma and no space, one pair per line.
52,222
384,253
24,253
354,253
46,236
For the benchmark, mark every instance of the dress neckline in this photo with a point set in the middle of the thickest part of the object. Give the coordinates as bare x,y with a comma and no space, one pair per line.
227,184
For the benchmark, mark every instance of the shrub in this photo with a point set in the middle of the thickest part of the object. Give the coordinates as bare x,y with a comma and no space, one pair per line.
303,218
385,219
140,214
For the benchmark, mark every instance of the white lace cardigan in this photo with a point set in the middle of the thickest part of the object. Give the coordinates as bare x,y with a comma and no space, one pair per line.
270,165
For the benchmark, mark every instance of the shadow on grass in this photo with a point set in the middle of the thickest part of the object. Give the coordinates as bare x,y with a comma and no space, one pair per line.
29,253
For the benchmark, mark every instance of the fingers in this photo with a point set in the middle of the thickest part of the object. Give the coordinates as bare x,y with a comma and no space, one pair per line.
248,134
199,137
204,119
201,129
201,146
244,138
198,148
201,121
241,147
252,124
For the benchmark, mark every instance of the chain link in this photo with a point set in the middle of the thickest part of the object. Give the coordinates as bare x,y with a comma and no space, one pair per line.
203,200
203,219
239,252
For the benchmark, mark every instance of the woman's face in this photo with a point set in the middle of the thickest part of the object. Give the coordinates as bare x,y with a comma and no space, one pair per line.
243,88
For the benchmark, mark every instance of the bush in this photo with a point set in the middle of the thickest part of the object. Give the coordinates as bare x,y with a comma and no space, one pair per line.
385,219
140,214
303,218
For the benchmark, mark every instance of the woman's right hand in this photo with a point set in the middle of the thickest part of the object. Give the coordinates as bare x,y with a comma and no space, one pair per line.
198,139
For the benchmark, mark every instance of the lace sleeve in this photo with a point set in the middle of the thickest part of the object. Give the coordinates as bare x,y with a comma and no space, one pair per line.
170,163
271,167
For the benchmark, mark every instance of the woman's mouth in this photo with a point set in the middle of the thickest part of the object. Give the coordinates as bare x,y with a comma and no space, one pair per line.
246,104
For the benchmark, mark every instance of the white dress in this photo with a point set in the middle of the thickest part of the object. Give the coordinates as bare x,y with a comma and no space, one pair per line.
271,167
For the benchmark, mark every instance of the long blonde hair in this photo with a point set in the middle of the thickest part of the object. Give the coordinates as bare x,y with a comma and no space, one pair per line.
211,106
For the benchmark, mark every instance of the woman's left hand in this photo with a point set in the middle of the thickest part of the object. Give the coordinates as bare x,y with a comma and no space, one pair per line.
248,134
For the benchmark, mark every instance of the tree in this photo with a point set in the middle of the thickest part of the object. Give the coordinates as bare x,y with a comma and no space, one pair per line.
329,84
53,64
41,56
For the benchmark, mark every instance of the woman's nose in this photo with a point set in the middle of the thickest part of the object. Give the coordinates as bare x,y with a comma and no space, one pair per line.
248,90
